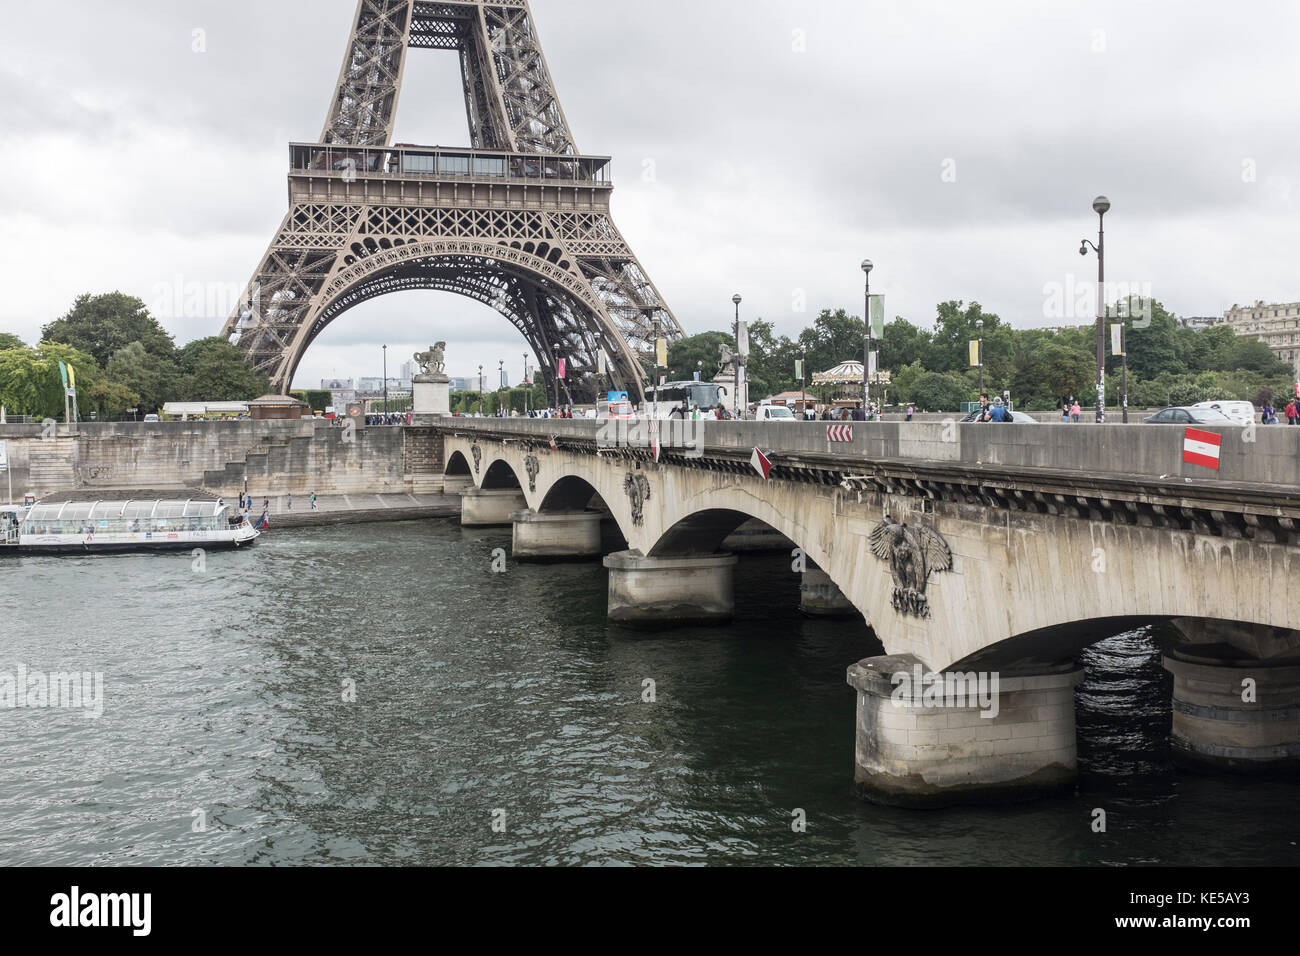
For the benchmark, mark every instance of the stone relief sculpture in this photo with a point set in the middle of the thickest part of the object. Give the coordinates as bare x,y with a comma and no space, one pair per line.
913,554
637,487
478,457
534,468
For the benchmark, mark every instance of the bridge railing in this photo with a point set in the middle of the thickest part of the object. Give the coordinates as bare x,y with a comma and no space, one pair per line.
1263,459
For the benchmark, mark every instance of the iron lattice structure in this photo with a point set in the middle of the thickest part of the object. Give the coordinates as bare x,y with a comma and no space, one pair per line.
519,221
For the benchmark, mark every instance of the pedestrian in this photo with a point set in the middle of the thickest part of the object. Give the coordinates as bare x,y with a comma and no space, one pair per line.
910,412
1292,413
290,500
998,412
1075,412
313,501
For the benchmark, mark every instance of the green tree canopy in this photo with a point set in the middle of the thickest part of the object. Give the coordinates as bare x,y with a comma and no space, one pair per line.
101,325
154,380
213,370
10,341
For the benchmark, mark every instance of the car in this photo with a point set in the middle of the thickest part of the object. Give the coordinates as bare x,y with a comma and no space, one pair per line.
1018,418
1243,413
1179,415
773,413
152,418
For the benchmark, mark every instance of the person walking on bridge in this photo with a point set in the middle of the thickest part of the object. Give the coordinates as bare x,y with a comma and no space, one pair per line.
1075,412
1292,413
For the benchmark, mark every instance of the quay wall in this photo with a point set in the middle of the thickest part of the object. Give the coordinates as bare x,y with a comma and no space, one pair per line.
270,458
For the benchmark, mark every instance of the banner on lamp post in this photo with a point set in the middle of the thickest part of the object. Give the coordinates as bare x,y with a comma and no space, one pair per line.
975,354
798,369
878,316
661,352
564,369
1117,339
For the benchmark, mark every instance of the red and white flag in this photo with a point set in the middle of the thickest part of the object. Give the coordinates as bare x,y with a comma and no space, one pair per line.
762,464
655,444
1202,448
555,446
839,433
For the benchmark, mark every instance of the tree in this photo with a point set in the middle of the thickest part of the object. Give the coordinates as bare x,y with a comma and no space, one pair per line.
940,392
101,325
108,398
31,382
1048,372
10,341
154,380
1154,349
22,382
902,344
697,353
955,328
834,338
213,370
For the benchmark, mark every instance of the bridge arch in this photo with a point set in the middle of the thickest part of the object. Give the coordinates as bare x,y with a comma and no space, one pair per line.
569,493
457,466
500,475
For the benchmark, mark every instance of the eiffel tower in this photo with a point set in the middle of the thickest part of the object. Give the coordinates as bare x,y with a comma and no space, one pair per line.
519,221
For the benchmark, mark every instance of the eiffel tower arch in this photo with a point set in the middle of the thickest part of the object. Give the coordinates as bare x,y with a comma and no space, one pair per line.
520,220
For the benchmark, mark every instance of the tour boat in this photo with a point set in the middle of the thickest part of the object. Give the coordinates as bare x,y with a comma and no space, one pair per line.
154,524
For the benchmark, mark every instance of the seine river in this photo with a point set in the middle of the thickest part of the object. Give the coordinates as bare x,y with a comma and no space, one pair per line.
480,698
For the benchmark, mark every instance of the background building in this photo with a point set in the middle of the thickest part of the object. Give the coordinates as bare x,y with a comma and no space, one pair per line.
1278,326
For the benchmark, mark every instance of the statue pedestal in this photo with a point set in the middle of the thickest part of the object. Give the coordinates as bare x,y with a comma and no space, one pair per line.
432,396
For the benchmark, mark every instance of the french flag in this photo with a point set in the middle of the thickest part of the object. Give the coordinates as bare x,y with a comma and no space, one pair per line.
1202,448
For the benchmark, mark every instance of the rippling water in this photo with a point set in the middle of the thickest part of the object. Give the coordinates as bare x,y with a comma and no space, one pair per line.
478,692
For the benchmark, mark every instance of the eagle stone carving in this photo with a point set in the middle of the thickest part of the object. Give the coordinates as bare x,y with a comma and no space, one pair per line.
913,554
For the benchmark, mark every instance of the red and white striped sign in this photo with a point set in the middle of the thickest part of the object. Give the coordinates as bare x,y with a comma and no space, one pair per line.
555,446
762,464
839,433
1202,448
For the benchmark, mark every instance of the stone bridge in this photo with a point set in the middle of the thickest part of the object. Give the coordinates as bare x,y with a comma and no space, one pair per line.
984,559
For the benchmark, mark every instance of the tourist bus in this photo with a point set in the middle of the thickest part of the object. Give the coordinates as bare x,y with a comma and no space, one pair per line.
661,400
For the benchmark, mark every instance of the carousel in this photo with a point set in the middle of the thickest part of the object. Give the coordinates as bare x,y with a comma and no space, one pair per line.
841,387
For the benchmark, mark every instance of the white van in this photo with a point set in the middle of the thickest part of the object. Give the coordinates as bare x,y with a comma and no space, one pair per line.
1241,412
773,413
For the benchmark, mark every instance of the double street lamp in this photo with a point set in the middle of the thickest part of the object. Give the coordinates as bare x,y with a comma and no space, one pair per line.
1101,206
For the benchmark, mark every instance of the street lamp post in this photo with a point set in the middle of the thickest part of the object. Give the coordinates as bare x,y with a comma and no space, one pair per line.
528,385
1123,350
979,324
735,367
385,379
480,391
867,266
1101,206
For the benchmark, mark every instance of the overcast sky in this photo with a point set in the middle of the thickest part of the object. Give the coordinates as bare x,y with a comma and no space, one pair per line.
760,146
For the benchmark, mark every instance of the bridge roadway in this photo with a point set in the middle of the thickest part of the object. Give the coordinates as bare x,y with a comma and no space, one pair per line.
976,553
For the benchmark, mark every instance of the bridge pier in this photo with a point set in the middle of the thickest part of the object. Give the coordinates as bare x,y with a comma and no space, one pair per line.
819,596
1240,716
657,591
487,508
567,534
963,738
456,484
